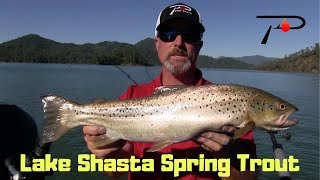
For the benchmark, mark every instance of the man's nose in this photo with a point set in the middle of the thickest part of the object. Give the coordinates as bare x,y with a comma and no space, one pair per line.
178,41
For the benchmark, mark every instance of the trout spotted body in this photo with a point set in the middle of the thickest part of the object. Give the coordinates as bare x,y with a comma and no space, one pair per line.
172,114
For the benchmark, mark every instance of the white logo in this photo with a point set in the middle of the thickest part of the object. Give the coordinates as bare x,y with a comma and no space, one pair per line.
180,8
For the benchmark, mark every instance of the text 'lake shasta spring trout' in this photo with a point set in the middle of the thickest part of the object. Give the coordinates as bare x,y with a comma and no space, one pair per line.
171,114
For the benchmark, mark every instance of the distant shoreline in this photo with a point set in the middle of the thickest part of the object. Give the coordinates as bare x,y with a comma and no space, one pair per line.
33,48
217,69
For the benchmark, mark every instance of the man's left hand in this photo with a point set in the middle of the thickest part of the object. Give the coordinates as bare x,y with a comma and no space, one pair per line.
213,141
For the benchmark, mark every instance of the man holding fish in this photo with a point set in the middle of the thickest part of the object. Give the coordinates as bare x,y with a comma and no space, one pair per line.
178,40
177,118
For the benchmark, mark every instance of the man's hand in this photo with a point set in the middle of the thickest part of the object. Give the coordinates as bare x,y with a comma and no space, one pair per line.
118,149
91,133
212,141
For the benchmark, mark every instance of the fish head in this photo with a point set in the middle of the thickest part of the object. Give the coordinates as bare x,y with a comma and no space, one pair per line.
270,112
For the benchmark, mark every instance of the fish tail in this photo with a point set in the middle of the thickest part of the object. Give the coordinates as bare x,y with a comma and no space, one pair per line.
56,122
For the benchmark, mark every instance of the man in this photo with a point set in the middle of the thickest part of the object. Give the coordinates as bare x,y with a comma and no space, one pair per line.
178,42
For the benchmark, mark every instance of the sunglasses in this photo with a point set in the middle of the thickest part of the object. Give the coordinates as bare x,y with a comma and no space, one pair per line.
187,36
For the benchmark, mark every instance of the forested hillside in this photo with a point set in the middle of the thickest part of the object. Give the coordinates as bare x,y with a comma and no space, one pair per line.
36,49
306,60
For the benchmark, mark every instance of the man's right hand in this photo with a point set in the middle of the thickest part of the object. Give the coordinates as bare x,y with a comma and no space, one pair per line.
91,133
118,149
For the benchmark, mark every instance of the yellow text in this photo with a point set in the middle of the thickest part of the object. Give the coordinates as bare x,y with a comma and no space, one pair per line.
169,164
46,164
88,162
269,165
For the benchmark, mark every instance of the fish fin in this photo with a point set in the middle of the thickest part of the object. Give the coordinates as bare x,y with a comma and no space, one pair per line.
99,100
163,89
55,125
244,130
102,140
159,145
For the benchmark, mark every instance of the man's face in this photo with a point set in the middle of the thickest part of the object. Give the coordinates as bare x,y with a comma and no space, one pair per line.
178,54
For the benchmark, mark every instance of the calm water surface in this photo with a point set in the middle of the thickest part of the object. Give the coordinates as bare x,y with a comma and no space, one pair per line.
24,84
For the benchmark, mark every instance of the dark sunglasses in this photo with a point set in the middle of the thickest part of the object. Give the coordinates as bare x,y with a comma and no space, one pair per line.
187,36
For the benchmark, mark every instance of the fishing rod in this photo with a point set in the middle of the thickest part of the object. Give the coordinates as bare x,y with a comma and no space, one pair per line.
122,71
279,153
125,73
111,63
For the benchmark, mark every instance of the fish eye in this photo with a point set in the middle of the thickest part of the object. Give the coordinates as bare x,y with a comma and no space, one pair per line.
282,106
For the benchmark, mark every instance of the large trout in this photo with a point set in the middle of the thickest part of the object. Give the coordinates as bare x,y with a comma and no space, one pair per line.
171,114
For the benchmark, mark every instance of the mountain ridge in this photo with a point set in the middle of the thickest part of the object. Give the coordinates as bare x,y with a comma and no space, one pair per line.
34,48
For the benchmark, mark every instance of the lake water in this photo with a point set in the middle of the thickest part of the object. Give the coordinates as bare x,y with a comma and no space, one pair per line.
24,84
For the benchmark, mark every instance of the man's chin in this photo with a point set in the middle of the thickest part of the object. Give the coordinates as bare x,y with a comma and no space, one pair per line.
177,68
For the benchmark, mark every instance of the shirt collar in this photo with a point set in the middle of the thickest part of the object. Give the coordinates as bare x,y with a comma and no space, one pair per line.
200,81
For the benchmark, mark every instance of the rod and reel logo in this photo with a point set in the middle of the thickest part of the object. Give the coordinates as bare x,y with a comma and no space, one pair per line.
284,25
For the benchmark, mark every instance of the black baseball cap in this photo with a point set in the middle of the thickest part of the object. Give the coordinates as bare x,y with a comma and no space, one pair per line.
179,11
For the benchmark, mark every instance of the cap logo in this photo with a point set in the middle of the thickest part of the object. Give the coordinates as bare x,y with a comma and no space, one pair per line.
180,8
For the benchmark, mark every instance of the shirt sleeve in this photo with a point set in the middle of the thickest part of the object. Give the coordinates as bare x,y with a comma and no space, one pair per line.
128,93
243,145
